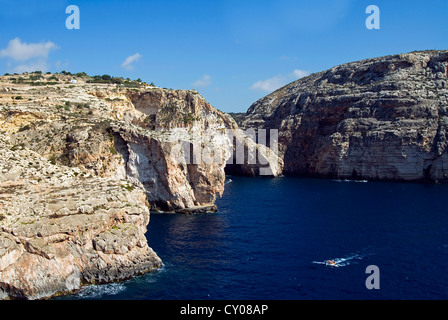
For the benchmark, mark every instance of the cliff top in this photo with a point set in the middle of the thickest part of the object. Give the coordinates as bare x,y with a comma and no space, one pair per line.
412,70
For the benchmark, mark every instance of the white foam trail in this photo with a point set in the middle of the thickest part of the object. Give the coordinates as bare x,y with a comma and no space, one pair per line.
97,291
344,261
347,180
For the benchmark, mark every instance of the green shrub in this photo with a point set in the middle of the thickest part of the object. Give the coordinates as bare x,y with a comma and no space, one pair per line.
52,159
128,187
112,150
190,118
24,128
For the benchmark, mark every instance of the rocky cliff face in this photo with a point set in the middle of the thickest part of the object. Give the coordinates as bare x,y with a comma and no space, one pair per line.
382,118
80,166
61,228
130,134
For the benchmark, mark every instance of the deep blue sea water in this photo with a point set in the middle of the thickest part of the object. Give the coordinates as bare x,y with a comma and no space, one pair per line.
270,235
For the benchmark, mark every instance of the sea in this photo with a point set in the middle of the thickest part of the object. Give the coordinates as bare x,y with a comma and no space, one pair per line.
272,239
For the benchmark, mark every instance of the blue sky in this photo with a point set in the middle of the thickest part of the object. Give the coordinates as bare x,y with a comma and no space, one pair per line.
232,52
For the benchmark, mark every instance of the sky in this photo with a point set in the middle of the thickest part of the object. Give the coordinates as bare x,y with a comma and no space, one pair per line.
232,52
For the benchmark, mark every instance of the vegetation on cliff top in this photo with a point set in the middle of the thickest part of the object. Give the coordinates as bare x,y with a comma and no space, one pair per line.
37,78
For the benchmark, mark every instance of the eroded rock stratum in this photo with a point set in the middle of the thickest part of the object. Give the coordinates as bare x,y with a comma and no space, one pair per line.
382,119
82,164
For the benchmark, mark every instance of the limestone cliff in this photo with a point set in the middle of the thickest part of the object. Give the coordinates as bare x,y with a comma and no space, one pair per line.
381,118
81,164
61,228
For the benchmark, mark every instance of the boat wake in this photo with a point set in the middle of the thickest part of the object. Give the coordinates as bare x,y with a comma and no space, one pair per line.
342,262
347,180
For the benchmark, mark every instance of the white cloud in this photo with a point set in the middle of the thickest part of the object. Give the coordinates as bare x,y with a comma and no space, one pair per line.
22,51
274,83
270,84
127,64
300,73
205,81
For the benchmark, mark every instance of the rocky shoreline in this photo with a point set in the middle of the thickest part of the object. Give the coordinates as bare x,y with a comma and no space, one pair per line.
61,229
383,119
83,164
